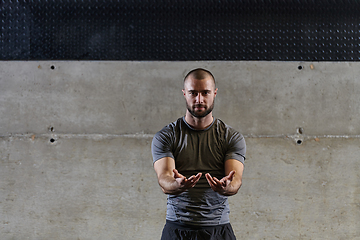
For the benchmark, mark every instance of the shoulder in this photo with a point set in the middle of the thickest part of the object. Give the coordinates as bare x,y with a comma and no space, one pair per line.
234,142
164,141
221,126
170,129
230,134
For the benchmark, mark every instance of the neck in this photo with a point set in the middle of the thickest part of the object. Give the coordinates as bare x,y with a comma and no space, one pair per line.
198,123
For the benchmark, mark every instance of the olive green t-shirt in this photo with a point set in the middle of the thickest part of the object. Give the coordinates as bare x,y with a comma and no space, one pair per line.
197,151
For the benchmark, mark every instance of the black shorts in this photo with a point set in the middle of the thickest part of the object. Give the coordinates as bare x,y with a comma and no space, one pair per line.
174,231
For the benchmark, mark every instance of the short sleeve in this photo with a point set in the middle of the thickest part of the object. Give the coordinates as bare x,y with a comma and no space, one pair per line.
236,147
161,145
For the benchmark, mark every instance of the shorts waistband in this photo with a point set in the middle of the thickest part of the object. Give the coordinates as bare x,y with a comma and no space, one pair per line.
183,226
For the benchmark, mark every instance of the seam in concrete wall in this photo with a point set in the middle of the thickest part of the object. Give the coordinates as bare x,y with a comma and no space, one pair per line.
150,136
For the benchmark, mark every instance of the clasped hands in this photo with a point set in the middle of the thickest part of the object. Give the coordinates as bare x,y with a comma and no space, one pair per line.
221,186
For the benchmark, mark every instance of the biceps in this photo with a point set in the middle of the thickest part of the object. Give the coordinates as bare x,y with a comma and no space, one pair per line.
164,166
234,165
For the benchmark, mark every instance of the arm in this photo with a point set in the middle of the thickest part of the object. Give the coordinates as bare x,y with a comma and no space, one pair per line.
231,183
170,180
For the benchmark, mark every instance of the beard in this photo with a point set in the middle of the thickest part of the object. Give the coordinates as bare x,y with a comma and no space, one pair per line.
200,114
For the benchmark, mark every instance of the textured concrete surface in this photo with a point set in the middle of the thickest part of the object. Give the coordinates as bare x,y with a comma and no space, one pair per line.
260,98
310,191
75,159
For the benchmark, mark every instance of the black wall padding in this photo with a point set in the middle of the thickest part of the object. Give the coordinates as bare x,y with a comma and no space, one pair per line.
281,30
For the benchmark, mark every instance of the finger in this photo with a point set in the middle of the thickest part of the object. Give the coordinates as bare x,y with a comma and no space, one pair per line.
211,183
192,185
218,182
179,178
210,180
177,174
208,177
194,179
231,175
214,186
197,177
181,181
221,184
224,182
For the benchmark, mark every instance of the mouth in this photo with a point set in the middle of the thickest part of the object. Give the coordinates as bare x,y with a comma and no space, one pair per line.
199,107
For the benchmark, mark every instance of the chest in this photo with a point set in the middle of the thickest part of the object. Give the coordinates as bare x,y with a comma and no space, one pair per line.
201,151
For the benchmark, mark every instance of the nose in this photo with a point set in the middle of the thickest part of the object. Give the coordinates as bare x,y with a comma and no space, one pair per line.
199,98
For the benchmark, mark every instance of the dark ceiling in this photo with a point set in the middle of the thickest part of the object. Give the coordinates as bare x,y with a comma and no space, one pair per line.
182,30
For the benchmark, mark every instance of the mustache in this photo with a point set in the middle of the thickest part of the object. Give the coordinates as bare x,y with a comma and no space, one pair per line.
199,105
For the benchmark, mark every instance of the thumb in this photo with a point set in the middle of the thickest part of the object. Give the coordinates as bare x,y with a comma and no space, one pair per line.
231,175
177,174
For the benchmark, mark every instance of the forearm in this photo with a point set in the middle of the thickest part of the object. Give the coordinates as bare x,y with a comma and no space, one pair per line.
233,188
235,168
170,180
169,185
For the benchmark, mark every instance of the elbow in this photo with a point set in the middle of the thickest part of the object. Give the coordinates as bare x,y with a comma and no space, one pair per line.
240,184
167,190
171,192
164,191
238,188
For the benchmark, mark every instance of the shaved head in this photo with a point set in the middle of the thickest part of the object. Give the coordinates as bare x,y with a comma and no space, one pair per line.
199,74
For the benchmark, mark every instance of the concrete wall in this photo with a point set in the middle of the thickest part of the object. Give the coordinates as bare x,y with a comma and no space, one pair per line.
75,159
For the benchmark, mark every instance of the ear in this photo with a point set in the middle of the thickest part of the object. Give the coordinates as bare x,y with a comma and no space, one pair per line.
183,92
215,92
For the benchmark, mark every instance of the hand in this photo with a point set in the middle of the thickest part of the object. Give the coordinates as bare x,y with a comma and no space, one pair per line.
186,183
222,186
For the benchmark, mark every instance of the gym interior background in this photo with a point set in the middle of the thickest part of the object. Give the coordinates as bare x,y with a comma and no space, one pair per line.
84,85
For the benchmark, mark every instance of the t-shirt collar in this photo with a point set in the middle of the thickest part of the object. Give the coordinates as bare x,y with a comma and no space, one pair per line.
183,118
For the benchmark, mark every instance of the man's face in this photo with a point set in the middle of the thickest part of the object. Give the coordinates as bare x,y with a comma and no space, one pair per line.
199,96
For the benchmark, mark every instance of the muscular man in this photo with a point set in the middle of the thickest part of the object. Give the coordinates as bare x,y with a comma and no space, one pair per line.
185,150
